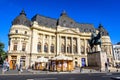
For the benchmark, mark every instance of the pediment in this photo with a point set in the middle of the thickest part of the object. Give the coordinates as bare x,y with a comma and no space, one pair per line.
69,31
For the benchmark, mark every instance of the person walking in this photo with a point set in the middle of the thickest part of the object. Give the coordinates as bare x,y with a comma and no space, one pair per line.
20,67
81,69
5,65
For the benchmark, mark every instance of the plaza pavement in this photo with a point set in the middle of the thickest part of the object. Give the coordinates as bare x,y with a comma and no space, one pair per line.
76,71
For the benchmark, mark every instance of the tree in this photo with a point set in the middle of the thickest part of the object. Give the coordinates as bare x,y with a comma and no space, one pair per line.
2,53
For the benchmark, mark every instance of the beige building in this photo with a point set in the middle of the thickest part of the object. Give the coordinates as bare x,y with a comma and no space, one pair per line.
48,37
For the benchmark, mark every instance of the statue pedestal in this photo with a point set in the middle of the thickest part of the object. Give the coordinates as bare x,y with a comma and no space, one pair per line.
97,59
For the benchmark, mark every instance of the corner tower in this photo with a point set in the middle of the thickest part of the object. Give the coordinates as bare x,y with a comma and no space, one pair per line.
19,40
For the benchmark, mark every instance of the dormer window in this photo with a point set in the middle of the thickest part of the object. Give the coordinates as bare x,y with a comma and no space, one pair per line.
25,32
90,30
16,31
71,22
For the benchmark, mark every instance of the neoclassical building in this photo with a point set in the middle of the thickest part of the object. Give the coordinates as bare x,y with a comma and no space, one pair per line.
48,37
116,54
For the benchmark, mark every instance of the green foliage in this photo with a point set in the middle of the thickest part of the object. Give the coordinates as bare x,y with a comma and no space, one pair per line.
2,53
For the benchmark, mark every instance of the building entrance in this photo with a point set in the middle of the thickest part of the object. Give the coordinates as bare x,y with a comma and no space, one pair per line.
13,62
83,62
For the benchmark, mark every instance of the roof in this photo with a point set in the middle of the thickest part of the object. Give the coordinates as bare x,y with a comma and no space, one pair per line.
41,59
64,20
83,27
45,21
21,19
61,57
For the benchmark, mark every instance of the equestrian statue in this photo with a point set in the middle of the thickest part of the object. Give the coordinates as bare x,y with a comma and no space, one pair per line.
95,39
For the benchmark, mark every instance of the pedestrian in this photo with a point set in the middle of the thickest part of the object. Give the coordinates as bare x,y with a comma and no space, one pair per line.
106,66
20,67
17,66
81,69
5,65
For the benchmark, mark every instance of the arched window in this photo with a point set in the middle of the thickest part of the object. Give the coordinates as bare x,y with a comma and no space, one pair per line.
68,49
52,48
15,46
45,47
63,48
23,46
74,49
39,47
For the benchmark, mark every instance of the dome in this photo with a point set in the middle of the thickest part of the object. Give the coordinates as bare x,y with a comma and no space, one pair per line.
21,19
65,21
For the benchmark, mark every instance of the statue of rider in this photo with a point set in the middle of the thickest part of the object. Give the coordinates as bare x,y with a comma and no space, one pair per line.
93,37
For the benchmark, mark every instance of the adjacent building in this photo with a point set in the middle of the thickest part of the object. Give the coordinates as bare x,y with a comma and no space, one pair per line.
116,54
49,37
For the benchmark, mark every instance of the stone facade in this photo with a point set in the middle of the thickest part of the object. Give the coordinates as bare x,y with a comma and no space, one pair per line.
48,37
116,54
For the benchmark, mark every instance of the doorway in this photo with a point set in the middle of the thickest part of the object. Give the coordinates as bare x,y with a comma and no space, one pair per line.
13,64
83,60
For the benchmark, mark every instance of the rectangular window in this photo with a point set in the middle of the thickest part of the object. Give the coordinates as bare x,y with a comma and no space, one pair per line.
52,49
39,47
15,47
23,47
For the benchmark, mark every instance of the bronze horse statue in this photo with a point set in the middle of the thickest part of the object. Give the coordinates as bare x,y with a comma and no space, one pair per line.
95,39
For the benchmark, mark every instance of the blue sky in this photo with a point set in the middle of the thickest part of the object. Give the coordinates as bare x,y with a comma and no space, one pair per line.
106,12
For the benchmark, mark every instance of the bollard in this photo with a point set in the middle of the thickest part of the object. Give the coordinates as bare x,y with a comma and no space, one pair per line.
19,72
100,70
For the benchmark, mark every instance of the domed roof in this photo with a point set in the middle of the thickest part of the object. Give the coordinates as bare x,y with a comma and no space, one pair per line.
104,32
65,21
21,19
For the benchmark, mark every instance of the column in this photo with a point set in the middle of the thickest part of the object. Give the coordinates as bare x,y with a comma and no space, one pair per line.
78,45
20,45
72,45
43,38
57,44
10,45
110,47
34,41
66,44
49,45
60,44
85,46
107,49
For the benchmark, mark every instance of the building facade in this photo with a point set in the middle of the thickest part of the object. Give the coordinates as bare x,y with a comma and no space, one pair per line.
48,37
116,54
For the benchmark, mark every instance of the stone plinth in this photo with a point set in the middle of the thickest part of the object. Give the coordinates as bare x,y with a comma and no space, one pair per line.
97,59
